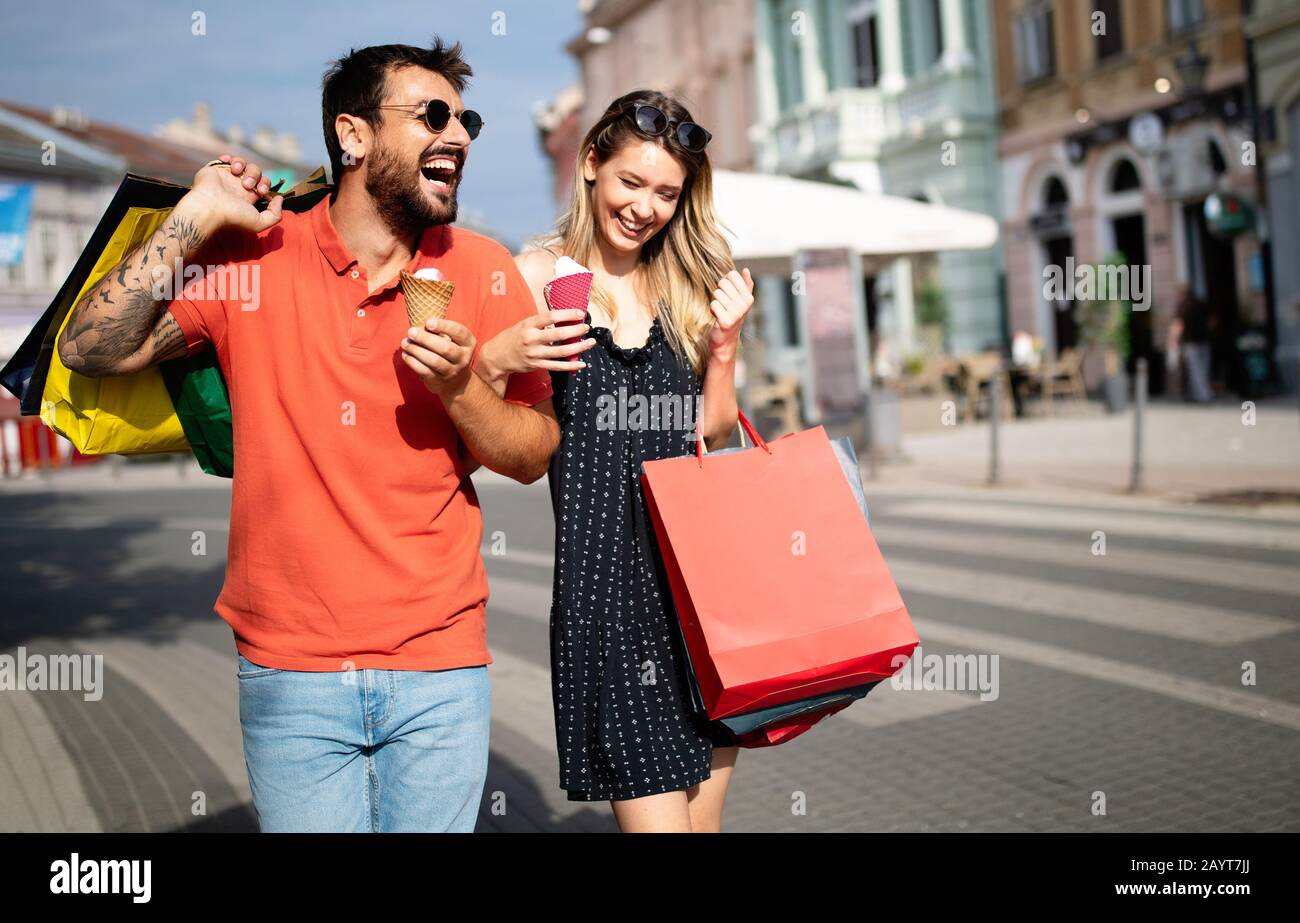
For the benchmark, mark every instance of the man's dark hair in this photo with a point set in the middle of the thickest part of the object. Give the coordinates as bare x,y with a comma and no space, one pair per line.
356,82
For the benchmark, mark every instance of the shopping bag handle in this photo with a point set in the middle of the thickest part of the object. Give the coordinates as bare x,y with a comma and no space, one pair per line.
747,428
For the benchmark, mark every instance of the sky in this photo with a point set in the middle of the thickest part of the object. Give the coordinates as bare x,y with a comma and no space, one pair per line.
138,64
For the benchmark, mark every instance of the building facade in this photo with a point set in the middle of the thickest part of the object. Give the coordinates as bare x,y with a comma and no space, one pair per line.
1121,120
701,53
896,97
1273,34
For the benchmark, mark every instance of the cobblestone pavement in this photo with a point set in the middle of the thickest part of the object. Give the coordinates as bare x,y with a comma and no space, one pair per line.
1119,676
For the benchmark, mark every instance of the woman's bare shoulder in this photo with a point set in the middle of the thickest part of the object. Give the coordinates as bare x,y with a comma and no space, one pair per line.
537,264
537,267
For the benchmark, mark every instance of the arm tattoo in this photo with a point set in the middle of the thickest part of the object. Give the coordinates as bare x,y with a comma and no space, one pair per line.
168,339
184,232
95,341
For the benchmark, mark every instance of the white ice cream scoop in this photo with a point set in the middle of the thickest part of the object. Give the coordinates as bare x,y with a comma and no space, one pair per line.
428,272
565,266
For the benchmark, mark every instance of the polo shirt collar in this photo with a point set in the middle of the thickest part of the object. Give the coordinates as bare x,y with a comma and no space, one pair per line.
327,237
433,241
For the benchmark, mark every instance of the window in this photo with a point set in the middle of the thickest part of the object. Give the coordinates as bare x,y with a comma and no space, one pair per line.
1181,15
1110,41
1055,194
1125,177
922,35
786,58
866,44
789,312
1034,42
794,77
935,33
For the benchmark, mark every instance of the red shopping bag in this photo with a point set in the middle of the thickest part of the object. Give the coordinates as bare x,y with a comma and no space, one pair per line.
778,582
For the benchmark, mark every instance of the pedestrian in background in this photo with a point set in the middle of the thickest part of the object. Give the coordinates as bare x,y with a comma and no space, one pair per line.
1194,345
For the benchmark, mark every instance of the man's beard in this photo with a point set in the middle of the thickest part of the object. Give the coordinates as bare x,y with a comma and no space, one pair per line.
395,189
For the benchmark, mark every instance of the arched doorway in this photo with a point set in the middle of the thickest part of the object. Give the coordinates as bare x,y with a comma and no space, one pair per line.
1212,274
1128,237
1051,225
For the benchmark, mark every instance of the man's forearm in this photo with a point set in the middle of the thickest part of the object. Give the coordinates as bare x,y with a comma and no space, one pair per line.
111,321
510,439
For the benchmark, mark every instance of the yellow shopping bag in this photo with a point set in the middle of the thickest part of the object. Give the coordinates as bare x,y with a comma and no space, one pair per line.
153,410
126,414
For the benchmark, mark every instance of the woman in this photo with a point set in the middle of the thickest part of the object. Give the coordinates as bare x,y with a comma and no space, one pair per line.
665,318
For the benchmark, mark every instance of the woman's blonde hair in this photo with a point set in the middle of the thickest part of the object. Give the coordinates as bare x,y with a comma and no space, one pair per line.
681,265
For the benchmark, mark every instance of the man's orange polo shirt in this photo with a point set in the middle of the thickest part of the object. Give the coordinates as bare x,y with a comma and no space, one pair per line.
354,535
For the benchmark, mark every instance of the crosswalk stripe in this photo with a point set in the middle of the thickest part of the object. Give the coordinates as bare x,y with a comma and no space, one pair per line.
1227,572
526,594
528,598
886,705
522,556
82,521
532,600
1197,692
1113,522
521,698
1181,620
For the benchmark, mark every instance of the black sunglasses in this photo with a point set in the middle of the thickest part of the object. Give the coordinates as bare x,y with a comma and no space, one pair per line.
652,121
437,114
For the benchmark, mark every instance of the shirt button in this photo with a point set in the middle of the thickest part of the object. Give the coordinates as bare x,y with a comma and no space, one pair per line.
361,312
355,274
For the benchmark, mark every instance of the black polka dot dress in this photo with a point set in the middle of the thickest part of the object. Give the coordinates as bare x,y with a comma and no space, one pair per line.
624,723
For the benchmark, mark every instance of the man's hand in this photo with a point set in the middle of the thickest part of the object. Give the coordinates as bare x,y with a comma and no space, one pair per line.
440,354
225,194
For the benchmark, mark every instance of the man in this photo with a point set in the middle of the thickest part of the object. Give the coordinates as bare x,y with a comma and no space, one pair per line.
354,583
1195,326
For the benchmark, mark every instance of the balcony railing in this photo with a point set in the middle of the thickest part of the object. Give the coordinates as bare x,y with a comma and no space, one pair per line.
855,123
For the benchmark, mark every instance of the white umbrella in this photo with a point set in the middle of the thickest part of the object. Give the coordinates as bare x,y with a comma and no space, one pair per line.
773,217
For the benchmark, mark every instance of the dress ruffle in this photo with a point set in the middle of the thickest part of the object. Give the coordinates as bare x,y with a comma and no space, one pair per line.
636,355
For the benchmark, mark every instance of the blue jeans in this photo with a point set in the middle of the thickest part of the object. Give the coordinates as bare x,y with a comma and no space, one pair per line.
377,751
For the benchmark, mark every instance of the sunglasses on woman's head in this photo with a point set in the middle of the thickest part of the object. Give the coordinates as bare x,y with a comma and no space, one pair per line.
652,121
437,114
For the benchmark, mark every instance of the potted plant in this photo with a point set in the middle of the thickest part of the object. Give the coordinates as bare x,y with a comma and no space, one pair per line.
931,318
1103,322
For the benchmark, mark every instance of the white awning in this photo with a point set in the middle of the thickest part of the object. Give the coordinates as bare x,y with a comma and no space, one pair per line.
772,217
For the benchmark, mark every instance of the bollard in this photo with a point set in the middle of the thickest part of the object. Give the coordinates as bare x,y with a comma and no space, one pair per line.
995,414
1139,420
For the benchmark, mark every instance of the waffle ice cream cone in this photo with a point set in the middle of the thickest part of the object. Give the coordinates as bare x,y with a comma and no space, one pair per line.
571,288
426,298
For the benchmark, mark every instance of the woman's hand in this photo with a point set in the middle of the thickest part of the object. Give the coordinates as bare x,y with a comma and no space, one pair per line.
732,300
533,343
